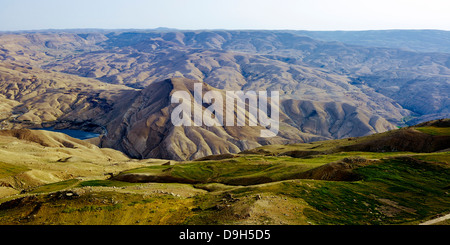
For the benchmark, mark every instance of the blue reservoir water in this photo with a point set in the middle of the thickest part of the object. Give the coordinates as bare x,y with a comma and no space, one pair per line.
78,134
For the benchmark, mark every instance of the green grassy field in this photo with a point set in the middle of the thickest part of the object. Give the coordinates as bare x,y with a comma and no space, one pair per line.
397,188
435,130
393,191
237,171
55,186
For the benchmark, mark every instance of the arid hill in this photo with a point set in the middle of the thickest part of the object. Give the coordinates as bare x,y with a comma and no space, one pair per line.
119,84
302,67
144,128
138,123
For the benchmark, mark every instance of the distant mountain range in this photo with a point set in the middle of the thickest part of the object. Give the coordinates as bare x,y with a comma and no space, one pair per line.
411,40
332,84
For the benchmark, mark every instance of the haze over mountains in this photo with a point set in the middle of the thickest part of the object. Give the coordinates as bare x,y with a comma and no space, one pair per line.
120,83
411,40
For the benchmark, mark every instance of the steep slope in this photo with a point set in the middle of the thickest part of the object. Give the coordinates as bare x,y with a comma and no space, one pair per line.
333,120
142,126
327,89
301,67
230,60
137,122
33,97
145,130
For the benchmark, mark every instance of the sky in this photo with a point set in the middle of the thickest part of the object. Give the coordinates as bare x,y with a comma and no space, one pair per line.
225,14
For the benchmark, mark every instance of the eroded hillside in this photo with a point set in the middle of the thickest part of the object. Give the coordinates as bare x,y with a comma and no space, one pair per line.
106,81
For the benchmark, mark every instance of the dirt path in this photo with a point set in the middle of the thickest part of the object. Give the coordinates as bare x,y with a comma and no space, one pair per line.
437,220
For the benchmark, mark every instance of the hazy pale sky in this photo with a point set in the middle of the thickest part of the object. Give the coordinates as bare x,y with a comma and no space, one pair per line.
225,14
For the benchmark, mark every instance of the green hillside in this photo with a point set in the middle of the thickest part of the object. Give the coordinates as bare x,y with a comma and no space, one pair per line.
338,182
